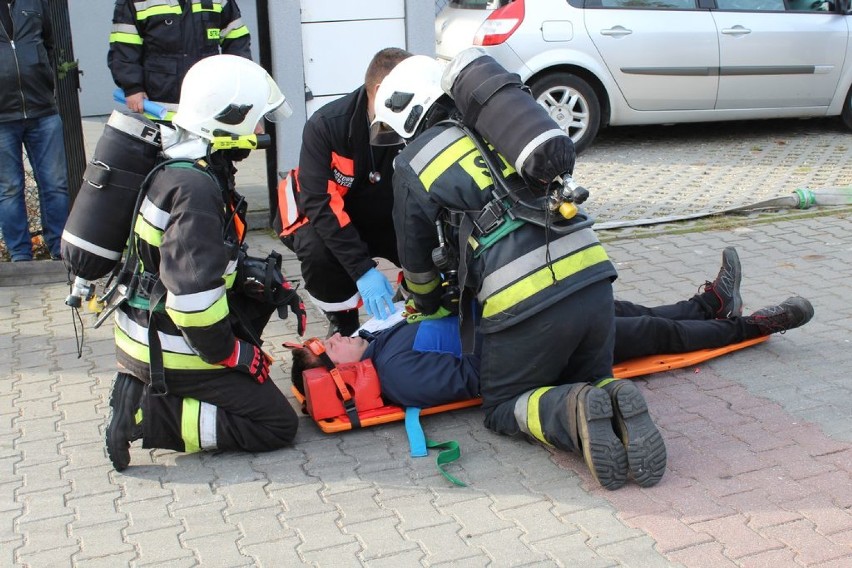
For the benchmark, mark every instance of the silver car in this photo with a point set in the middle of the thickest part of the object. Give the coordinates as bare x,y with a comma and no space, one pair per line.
596,63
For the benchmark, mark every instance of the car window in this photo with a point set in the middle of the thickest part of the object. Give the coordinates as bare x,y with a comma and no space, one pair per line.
809,6
643,4
752,5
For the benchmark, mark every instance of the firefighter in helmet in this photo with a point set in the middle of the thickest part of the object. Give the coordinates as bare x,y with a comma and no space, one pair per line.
192,373
544,300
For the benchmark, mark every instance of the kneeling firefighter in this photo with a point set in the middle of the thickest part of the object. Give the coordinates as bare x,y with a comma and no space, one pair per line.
541,279
193,375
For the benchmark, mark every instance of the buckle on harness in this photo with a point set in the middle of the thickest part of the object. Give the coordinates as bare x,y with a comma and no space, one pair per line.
490,217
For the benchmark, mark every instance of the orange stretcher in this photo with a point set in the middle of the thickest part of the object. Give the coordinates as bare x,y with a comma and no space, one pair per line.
627,370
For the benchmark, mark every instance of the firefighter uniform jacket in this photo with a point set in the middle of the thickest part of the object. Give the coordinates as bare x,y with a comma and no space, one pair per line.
335,193
154,42
26,64
180,234
516,277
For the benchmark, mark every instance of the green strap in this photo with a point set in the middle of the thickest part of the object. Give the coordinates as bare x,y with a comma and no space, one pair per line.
450,452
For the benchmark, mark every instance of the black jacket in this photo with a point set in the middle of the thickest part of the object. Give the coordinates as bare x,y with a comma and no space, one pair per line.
26,63
152,50
336,196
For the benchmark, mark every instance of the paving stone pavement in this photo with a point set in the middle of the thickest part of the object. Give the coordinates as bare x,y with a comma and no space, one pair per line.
759,443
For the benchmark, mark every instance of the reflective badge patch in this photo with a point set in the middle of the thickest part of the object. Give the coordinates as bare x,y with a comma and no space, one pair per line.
213,33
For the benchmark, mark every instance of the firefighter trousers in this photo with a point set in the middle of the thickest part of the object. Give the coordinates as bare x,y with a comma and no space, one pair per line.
227,412
568,342
326,280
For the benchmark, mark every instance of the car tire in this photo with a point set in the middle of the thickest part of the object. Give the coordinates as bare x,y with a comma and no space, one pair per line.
572,103
846,115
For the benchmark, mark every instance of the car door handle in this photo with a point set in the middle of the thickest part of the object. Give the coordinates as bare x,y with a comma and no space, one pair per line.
616,31
736,31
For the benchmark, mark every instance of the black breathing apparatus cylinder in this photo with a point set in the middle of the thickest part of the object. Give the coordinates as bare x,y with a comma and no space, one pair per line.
100,220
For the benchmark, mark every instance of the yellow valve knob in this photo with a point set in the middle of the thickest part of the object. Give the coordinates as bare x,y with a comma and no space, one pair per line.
95,305
568,210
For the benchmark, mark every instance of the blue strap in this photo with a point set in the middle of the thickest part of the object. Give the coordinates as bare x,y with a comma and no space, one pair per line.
416,437
449,451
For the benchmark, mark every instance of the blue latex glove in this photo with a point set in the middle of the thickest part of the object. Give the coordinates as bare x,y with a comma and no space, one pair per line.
377,294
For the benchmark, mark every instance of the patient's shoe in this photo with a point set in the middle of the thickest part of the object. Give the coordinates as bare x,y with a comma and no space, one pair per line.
791,313
722,296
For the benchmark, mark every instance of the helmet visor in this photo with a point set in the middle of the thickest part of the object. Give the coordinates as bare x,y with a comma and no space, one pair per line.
282,111
383,135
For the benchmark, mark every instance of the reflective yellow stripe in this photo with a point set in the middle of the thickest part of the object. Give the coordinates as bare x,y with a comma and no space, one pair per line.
174,361
215,313
533,416
239,32
157,11
422,288
230,279
119,37
147,232
444,160
542,278
189,425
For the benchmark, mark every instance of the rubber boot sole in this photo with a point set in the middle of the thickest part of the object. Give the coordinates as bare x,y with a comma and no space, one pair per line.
602,449
126,392
646,450
730,257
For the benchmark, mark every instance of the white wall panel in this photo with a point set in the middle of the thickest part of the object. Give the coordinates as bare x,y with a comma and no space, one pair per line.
340,10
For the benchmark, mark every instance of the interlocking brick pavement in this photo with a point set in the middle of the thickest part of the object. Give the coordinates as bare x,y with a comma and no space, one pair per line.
759,441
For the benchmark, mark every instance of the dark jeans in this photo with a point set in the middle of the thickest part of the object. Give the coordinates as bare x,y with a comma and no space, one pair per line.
42,138
676,328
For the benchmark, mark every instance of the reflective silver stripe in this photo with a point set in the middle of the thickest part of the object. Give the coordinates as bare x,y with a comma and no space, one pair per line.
171,343
521,412
207,427
420,277
433,148
197,302
535,143
154,215
223,33
145,4
534,260
125,29
348,304
135,128
231,268
90,247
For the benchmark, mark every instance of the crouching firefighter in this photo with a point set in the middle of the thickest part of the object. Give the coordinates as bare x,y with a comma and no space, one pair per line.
192,373
541,279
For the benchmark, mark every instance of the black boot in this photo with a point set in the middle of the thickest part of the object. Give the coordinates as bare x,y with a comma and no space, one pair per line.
646,450
125,401
345,323
578,418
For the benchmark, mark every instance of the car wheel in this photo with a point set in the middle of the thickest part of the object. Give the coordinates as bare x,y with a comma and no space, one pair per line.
572,103
846,115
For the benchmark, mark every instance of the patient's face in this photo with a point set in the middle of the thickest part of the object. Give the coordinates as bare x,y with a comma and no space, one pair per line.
345,349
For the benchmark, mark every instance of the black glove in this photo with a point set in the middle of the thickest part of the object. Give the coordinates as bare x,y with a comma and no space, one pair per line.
297,306
248,359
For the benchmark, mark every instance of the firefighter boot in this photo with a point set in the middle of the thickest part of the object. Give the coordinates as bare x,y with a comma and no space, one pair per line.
123,427
576,418
646,450
721,298
345,323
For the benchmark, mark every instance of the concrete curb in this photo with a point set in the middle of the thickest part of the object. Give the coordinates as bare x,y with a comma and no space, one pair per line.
33,272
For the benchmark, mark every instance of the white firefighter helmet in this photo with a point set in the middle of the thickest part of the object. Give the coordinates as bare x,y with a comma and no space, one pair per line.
227,94
404,97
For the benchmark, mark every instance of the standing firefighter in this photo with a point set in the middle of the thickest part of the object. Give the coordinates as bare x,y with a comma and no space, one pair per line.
153,44
193,376
542,280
